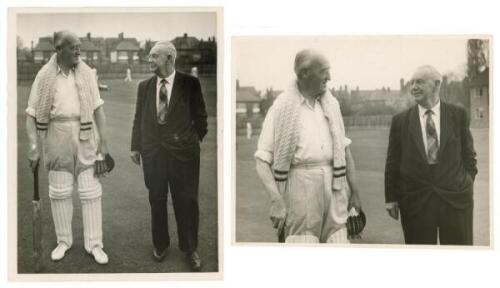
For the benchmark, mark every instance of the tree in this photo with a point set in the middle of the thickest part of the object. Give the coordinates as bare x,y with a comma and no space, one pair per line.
267,101
19,43
477,56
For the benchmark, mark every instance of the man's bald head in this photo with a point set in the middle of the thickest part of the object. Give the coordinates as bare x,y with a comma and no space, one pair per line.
162,58
64,37
428,72
313,72
166,48
425,85
67,46
307,59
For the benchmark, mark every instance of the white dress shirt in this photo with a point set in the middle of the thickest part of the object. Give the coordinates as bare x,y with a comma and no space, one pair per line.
168,85
66,102
314,144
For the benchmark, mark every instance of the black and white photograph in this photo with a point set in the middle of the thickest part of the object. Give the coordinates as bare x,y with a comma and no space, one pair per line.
362,140
117,142
232,143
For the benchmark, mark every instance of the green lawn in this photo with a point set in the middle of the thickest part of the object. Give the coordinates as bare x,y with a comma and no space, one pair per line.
369,149
126,213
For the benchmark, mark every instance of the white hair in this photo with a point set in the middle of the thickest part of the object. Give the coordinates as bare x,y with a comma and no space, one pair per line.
305,59
431,72
62,38
167,47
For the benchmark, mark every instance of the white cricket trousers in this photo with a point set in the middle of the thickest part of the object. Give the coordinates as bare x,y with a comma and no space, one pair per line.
90,191
316,214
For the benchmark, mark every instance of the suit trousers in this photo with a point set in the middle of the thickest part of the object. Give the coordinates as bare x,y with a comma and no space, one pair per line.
438,219
165,173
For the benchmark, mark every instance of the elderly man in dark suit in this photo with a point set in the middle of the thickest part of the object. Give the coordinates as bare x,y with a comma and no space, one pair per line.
431,166
170,122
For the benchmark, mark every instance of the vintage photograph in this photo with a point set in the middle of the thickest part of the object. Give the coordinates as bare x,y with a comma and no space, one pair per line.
117,143
362,140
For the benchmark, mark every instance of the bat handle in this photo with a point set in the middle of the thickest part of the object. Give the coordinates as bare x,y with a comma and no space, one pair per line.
36,194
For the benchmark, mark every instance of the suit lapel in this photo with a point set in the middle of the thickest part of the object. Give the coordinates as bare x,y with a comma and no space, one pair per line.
416,131
446,125
151,91
176,91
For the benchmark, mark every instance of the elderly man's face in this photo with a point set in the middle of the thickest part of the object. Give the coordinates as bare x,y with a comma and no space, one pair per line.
69,51
318,76
422,87
158,60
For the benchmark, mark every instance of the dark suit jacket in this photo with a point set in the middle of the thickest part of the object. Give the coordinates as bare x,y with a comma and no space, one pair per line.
186,119
410,181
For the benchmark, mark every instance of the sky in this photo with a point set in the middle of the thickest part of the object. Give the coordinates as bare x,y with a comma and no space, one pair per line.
154,26
367,62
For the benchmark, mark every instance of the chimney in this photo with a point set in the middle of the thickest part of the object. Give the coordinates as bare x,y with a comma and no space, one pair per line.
185,35
88,36
120,36
402,84
237,84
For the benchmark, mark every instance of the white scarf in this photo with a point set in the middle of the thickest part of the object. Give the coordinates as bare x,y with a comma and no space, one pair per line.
286,135
87,88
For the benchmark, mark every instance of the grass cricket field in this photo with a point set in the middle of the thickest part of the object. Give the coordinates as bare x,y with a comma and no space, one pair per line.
125,206
369,149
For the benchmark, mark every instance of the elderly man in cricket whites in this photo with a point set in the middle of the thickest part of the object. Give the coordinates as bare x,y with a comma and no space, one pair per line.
303,158
431,166
66,122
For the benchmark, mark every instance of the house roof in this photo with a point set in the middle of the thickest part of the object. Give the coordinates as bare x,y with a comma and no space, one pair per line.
185,42
247,94
97,42
126,45
113,44
88,46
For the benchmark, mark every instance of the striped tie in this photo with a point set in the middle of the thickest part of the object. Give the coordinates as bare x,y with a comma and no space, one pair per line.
432,139
163,105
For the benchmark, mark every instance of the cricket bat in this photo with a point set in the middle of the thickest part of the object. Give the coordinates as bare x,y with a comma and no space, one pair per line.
37,224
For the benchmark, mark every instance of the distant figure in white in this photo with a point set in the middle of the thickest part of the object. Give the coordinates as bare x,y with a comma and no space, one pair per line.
249,130
194,72
128,78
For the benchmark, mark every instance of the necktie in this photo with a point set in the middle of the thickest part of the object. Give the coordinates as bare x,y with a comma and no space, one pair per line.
163,104
432,138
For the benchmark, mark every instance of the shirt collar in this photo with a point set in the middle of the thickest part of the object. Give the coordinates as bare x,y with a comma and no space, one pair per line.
170,79
59,70
435,109
302,98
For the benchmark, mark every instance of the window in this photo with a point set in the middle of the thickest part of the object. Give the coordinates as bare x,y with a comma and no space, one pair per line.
479,113
38,56
122,56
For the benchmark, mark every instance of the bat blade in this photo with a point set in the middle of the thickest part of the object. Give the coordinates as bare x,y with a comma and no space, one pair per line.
37,236
37,224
